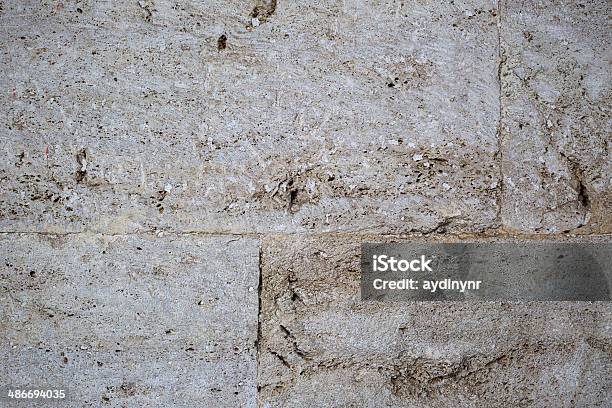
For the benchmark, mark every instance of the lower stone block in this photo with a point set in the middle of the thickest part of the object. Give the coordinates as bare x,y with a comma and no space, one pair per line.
130,320
322,346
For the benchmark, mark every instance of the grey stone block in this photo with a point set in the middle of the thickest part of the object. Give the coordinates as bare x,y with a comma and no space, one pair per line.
322,346
556,116
327,116
131,321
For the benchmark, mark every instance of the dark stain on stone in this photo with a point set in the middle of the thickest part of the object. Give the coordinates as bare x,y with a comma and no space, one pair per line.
21,158
581,189
583,195
148,7
263,10
81,172
222,42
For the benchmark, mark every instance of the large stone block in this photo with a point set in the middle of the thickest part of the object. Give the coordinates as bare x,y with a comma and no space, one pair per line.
556,115
322,346
249,116
131,321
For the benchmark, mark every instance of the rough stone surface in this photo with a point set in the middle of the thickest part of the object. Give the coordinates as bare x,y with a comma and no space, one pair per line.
322,346
304,124
556,99
131,321
326,116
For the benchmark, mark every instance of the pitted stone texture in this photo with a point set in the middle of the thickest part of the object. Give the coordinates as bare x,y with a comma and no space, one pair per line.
556,99
131,321
322,346
325,116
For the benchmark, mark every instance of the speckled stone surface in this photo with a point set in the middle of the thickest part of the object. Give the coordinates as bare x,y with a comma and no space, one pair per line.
327,116
131,321
556,116
198,130
322,346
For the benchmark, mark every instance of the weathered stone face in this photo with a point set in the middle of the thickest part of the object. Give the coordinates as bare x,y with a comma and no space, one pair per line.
322,346
555,79
327,117
310,127
138,321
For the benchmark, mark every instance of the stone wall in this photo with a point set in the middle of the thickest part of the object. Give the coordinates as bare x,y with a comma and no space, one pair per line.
184,187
